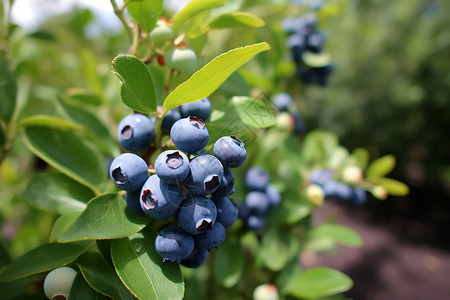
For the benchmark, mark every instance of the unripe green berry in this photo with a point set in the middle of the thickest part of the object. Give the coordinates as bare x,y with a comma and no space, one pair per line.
161,33
58,282
266,292
182,59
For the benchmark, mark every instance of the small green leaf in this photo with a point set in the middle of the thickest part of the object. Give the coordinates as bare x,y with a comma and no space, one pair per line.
43,258
205,81
84,96
105,217
228,263
278,248
50,121
102,277
319,282
8,91
138,90
80,290
69,152
361,157
57,192
62,223
236,20
392,186
146,12
135,257
338,233
192,9
381,166
254,112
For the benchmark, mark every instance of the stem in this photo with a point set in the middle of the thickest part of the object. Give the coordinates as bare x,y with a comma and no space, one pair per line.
169,82
119,13
6,26
135,40
158,136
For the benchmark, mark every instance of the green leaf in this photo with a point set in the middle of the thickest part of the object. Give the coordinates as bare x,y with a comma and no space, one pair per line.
80,290
102,277
192,9
50,121
318,146
62,223
381,166
338,233
43,258
228,263
84,96
289,212
8,91
206,80
146,12
319,282
361,157
392,186
138,90
255,113
15,289
69,152
57,192
135,257
105,217
236,20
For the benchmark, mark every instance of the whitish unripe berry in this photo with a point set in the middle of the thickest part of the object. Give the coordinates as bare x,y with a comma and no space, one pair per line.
315,194
352,174
58,282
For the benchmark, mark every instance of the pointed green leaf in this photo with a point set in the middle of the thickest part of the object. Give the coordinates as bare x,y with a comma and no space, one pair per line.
8,91
254,112
338,233
205,81
146,12
135,257
57,192
80,290
392,186
50,121
84,96
138,90
235,20
192,9
69,152
361,157
43,258
229,263
105,217
102,277
62,224
381,166
318,282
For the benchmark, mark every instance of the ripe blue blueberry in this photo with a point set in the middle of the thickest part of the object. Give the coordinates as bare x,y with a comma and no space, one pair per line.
160,200
299,127
255,222
338,190
230,151
189,134
196,259
273,194
359,196
200,109
282,101
173,244
197,215
256,178
320,176
206,175
226,187
133,201
128,171
170,118
257,202
136,132
172,166
211,238
227,211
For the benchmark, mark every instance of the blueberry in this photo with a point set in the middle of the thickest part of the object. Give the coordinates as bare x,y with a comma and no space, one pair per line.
359,196
299,127
211,238
226,187
172,166
255,222
133,202
197,215
136,132
227,211
257,202
173,244
128,171
256,178
170,118
314,42
189,134
273,194
196,259
338,190
58,282
206,175
282,101
160,200
320,176
230,151
200,109
181,59
243,210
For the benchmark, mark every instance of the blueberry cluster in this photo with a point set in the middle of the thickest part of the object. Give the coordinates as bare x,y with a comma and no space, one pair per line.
306,44
261,197
177,191
333,189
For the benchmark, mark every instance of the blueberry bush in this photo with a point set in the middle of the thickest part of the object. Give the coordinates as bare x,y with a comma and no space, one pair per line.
170,160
